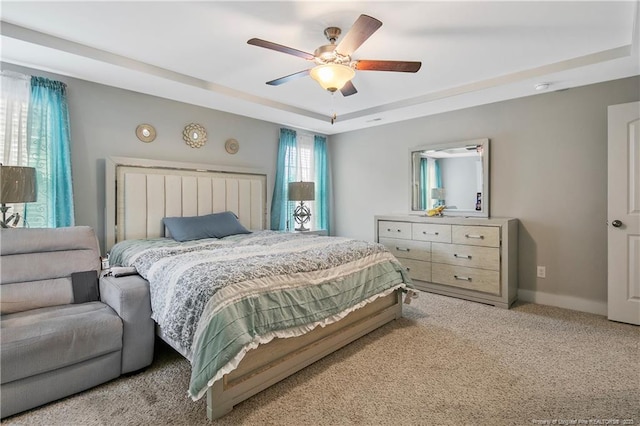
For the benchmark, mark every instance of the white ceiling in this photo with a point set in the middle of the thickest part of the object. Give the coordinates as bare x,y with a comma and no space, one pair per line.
196,52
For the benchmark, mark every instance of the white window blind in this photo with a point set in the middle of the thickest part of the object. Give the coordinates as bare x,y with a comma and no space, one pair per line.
14,106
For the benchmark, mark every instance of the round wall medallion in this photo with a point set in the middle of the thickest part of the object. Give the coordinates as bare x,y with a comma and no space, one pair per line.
232,146
146,133
194,135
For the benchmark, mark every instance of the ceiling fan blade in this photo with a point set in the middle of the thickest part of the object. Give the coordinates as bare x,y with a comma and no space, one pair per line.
361,30
348,89
280,48
397,66
285,79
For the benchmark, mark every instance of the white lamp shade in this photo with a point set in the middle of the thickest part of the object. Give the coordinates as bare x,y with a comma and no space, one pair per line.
438,193
302,191
17,184
332,77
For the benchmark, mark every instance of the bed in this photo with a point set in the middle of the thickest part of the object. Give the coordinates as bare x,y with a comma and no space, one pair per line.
247,309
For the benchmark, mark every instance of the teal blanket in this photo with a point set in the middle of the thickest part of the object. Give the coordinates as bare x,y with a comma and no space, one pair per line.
215,299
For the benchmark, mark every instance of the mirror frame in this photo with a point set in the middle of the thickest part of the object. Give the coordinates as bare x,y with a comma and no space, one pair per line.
485,176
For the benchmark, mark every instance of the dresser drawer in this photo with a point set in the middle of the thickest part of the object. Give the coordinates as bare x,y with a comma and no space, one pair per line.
431,232
389,229
408,249
418,270
466,255
470,278
488,236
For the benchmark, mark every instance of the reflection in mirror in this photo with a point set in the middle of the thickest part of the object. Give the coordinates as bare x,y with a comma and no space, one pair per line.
455,175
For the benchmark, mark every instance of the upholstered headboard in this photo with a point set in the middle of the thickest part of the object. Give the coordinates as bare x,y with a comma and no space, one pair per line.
141,192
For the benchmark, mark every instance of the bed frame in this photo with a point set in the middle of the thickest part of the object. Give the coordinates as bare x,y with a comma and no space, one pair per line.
139,193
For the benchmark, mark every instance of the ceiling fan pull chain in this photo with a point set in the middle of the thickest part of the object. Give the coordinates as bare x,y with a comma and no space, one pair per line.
334,117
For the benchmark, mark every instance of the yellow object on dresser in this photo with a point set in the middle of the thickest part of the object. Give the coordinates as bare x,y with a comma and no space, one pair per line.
436,211
470,258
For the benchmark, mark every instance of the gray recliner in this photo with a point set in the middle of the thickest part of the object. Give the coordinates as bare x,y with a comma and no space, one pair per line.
61,331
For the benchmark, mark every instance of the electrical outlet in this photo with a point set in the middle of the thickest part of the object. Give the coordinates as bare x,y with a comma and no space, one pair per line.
542,272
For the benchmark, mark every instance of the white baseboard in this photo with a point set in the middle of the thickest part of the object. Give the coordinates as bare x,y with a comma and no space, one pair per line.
567,302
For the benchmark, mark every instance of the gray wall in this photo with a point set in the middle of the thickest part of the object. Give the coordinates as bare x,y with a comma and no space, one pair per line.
103,123
548,169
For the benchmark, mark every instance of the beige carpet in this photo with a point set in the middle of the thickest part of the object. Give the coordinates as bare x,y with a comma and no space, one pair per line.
448,362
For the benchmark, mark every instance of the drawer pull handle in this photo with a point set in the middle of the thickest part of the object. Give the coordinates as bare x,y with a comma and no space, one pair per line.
462,256
477,237
430,233
397,230
402,249
462,278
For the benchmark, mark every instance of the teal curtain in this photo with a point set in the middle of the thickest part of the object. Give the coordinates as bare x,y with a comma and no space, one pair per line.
438,178
424,183
49,152
281,208
322,183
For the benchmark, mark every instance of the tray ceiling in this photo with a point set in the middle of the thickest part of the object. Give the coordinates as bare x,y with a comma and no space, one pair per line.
472,53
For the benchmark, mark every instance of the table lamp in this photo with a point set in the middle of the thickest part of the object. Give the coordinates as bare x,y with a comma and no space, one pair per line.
438,194
302,191
17,185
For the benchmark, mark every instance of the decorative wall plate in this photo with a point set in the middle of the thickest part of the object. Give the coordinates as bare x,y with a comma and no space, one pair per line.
194,135
146,133
232,146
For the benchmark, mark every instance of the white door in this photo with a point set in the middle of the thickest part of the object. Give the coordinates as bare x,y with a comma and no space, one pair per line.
623,216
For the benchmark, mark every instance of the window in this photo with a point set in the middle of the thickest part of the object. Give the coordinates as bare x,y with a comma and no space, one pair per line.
301,157
14,107
34,128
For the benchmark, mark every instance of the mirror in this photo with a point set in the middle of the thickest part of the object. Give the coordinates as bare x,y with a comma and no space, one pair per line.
454,174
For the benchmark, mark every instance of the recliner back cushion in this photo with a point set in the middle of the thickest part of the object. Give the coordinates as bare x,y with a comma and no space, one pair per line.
36,265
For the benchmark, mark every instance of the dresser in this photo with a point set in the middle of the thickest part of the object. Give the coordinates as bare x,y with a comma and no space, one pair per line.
470,258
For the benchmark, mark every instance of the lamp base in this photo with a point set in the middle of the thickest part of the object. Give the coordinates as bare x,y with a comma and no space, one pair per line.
3,209
302,215
6,223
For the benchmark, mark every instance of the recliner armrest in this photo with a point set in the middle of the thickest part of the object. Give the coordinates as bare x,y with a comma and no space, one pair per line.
129,297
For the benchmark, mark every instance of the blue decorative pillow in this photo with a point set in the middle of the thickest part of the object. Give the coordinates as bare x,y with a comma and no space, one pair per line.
216,225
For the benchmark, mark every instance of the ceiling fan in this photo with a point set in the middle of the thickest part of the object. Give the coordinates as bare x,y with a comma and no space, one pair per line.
334,66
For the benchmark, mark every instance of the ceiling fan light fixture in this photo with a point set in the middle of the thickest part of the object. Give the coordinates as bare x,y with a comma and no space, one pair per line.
332,77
